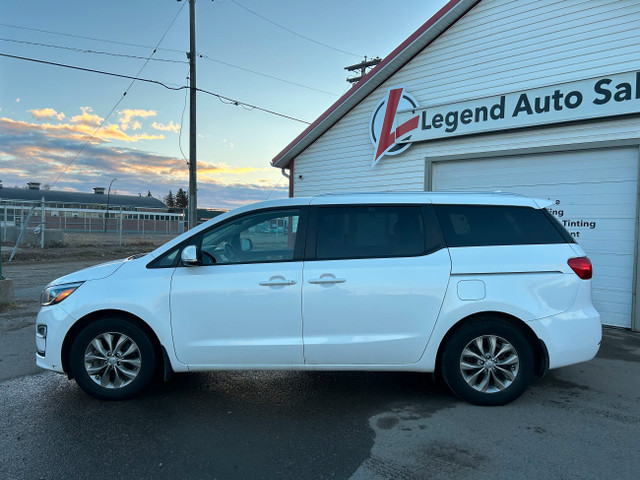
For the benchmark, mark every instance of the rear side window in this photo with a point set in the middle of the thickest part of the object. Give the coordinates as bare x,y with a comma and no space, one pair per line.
369,232
480,225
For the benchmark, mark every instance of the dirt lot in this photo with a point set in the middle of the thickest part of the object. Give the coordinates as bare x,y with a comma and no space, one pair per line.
82,246
32,268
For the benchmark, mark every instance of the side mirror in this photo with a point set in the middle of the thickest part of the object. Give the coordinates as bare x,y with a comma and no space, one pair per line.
189,256
246,244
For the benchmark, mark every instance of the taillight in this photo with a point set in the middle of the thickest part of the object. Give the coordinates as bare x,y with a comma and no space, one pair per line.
582,266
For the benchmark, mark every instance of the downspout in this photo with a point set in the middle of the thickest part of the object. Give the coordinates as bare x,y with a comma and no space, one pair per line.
289,176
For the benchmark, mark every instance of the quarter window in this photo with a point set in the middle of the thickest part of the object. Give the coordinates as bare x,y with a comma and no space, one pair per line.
480,225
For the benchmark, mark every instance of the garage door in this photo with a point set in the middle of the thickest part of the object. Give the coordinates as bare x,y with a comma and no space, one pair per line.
594,194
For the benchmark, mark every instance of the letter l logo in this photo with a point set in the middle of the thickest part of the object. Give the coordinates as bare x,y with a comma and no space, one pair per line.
388,135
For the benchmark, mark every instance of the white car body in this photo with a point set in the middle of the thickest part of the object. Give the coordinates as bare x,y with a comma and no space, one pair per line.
374,314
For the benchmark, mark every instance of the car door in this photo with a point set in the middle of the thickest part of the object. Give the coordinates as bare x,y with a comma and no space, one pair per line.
241,305
374,282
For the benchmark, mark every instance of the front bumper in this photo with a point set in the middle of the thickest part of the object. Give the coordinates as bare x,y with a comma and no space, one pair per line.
52,325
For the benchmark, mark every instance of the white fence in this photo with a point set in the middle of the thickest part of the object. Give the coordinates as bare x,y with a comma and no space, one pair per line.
45,219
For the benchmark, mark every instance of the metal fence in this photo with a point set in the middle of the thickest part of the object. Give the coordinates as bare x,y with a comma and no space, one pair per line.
47,222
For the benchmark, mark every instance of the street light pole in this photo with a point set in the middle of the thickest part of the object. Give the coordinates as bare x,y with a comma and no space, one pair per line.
193,202
106,215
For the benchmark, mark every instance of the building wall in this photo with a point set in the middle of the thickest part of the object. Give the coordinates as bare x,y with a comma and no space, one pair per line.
500,46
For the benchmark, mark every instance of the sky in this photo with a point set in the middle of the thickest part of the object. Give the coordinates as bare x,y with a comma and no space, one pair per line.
251,51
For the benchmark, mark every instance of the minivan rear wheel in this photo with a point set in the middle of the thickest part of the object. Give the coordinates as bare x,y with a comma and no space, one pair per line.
112,359
488,361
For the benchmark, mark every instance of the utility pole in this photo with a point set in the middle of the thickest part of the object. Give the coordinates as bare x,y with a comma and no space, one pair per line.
362,66
192,211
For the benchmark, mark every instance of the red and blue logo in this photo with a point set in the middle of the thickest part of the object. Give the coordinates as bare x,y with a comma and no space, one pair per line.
383,130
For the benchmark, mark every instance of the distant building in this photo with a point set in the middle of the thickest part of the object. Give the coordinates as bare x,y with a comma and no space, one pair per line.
77,211
96,200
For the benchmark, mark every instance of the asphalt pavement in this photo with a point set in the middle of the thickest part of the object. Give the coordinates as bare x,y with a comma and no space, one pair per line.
581,421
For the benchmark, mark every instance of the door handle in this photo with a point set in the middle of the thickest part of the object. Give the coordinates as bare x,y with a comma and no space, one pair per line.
326,281
277,283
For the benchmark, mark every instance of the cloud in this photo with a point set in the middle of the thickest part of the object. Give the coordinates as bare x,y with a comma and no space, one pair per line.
87,118
128,114
77,131
170,127
46,113
223,168
35,152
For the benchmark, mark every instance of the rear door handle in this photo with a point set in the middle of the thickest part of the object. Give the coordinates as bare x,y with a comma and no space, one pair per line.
326,281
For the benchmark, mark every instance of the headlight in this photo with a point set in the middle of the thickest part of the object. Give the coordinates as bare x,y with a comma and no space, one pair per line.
57,293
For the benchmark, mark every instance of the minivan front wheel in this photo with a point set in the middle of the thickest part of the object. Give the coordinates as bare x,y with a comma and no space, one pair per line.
488,362
112,359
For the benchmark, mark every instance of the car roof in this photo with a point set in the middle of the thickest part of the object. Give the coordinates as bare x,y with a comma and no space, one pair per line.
449,197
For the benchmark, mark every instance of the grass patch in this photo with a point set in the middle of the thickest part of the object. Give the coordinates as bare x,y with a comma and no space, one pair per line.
5,307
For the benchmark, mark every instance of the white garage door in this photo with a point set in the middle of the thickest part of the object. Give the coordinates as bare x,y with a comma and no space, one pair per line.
595,198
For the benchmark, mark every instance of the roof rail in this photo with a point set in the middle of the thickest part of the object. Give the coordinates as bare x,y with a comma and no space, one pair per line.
419,192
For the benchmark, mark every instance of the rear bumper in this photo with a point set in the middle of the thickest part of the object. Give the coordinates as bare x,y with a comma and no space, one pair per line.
570,337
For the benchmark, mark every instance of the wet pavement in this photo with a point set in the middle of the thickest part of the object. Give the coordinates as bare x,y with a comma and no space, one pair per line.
581,421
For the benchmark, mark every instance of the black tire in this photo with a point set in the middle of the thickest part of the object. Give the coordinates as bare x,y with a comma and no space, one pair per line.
117,373
494,380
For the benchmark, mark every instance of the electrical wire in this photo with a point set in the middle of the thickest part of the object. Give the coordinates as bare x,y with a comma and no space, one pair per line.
50,32
201,55
274,188
295,33
83,50
206,57
92,70
224,99
231,101
120,99
184,108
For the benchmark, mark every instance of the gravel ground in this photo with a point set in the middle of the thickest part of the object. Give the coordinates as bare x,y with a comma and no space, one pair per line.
83,247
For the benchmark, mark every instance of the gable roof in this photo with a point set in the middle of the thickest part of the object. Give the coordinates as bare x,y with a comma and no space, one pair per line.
418,41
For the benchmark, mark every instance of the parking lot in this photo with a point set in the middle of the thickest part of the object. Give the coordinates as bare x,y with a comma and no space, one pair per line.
577,422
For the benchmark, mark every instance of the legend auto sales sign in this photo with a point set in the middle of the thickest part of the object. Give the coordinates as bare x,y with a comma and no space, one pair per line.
612,95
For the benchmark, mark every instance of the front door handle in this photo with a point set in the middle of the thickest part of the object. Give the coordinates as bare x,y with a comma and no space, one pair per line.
326,280
277,283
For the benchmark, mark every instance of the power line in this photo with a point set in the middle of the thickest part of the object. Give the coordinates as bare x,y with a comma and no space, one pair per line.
182,121
206,57
83,50
91,70
249,106
201,55
119,100
274,188
50,32
223,98
295,33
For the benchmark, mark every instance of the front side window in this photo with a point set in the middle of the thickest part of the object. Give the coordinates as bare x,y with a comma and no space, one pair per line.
268,236
369,232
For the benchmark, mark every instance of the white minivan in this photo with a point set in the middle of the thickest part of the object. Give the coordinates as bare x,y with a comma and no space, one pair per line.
486,289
